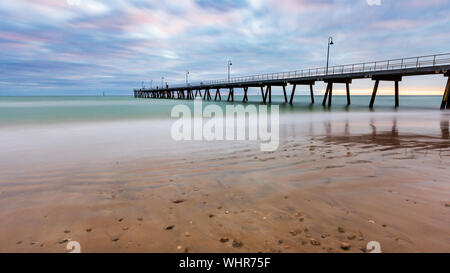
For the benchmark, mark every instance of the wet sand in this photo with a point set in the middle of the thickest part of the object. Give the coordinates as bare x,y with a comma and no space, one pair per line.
367,181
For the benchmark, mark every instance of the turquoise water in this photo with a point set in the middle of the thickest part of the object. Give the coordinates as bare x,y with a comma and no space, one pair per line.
39,110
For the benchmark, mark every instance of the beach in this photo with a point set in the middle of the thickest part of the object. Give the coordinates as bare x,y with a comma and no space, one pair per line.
338,180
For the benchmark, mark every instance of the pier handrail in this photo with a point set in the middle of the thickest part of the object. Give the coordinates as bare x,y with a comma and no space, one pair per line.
385,65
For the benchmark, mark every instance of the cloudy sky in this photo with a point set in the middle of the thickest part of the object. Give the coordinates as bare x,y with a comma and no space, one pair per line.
79,47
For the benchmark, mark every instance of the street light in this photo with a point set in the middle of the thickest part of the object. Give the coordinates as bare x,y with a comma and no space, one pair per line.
229,68
187,74
162,82
330,42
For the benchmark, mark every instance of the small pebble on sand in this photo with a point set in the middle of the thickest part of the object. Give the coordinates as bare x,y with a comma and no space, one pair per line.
297,214
237,244
178,201
89,230
224,239
341,230
345,246
169,227
66,231
315,242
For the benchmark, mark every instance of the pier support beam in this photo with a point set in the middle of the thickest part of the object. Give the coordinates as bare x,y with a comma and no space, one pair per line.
396,94
207,95
285,96
347,88
245,95
262,94
330,94
391,78
293,93
231,95
329,91
218,93
198,92
268,93
325,96
306,82
374,93
446,98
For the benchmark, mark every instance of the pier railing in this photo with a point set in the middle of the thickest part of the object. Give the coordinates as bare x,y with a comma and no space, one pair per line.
386,65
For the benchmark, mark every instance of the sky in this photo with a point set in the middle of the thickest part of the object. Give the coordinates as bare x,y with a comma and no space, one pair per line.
86,47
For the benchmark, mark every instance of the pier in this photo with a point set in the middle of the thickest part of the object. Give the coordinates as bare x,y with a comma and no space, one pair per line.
388,70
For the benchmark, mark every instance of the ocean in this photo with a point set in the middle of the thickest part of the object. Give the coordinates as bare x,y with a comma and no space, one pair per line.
45,110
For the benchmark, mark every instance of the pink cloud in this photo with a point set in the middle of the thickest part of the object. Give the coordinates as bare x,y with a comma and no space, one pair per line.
397,24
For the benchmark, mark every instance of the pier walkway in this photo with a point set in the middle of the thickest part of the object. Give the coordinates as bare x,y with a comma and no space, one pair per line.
388,70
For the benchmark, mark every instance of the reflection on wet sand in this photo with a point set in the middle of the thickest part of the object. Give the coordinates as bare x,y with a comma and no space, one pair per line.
391,139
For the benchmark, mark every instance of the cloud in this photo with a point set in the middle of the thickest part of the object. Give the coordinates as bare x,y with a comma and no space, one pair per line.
116,44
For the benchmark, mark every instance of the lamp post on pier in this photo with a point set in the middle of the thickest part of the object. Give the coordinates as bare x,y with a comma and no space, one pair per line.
229,69
330,42
187,75
162,82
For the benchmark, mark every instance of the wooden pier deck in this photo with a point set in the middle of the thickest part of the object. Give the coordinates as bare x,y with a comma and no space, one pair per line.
388,70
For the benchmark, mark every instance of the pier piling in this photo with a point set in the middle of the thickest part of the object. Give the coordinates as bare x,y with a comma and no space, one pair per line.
374,93
245,94
293,93
445,100
311,91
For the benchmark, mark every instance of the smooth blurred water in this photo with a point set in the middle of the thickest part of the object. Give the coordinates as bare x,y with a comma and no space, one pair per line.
44,110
